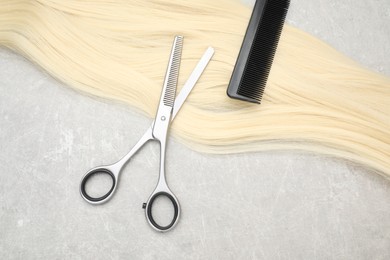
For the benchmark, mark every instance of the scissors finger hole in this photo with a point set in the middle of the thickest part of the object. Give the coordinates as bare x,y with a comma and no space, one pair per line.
162,211
98,185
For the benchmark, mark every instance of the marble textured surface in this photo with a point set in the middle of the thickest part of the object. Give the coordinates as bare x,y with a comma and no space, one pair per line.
270,205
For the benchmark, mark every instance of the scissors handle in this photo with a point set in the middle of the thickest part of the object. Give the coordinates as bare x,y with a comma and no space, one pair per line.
148,206
112,171
87,177
162,190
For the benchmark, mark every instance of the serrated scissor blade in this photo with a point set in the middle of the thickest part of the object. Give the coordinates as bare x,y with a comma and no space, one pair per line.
168,94
171,77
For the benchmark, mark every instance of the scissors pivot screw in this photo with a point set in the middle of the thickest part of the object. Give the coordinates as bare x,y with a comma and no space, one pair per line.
163,118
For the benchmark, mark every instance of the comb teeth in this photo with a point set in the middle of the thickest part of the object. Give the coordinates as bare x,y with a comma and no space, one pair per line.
258,50
173,72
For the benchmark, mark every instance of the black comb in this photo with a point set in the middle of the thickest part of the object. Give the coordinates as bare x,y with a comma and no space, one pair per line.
258,49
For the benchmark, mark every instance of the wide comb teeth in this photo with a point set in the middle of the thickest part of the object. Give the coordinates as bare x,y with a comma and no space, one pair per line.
173,72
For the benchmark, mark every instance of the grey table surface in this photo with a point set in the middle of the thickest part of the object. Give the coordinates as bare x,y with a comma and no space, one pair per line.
269,205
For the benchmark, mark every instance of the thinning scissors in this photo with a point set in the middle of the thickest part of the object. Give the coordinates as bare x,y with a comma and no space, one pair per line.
167,110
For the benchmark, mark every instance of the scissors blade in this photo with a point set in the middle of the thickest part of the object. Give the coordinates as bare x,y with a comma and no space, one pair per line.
191,81
185,91
168,94
172,75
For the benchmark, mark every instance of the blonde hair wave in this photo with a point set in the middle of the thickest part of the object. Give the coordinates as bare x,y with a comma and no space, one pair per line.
316,99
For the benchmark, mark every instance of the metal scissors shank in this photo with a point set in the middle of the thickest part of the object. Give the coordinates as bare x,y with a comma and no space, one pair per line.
113,170
168,109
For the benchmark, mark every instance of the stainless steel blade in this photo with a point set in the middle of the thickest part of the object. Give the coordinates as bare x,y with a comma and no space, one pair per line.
172,74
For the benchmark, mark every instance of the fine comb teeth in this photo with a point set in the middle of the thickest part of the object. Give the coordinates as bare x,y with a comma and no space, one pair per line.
173,72
258,49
